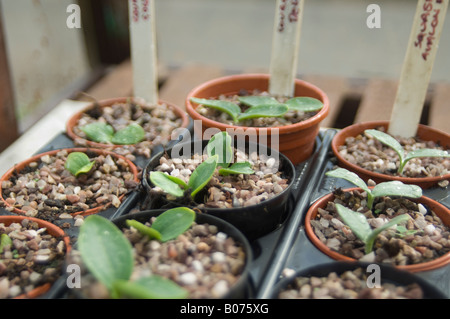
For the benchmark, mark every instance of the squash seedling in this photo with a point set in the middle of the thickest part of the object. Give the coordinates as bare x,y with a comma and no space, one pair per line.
220,154
358,222
78,163
391,188
101,132
260,106
404,156
108,254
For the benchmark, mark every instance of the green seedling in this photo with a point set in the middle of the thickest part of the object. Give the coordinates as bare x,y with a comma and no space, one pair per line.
404,156
391,188
108,254
5,241
101,132
220,154
260,106
361,228
78,163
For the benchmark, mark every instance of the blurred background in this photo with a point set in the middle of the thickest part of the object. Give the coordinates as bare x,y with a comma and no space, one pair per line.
42,61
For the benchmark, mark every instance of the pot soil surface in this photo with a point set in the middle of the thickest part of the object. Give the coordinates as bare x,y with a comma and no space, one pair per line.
369,153
227,191
289,118
34,258
46,190
203,260
158,122
426,237
351,284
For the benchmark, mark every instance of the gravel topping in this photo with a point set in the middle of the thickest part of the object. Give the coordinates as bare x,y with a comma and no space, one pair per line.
426,239
158,122
368,153
233,190
34,258
348,285
45,189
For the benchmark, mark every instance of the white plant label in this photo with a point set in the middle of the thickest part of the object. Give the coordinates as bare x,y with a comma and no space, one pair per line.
143,49
285,46
417,67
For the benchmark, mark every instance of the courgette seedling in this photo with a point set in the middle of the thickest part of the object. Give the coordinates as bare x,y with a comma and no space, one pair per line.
260,106
108,254
404,156
78,163
220,154
391,188
357,221
101,132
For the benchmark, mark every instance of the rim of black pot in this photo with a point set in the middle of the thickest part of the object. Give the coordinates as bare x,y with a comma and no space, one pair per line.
389,274
240,289
288,170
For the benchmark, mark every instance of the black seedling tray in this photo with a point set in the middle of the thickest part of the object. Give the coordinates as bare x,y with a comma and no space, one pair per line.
285,247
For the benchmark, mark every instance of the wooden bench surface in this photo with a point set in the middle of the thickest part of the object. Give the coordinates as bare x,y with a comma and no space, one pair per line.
351,100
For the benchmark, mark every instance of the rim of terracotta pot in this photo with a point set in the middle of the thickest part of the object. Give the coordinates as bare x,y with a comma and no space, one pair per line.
18,167
73,120
424,132
53,230
440,210
262,82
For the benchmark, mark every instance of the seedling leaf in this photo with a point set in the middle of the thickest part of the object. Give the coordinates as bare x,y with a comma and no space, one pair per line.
266,110
173,222
105,250
426,152
99,132
237,168
360,226
78,163
349,176
132,134
373,235
388,140
220,144
253,100
356,221
304,103
202,174
167,183
152,287
228,107
396,188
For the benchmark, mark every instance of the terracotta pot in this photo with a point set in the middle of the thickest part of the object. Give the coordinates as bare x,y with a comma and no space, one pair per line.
53,230
72,122
441,211
388,274
22,165
424,132
296,141
254,220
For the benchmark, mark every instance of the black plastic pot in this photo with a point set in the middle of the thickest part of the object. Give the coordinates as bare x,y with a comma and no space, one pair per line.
388,274
240,289
254,221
